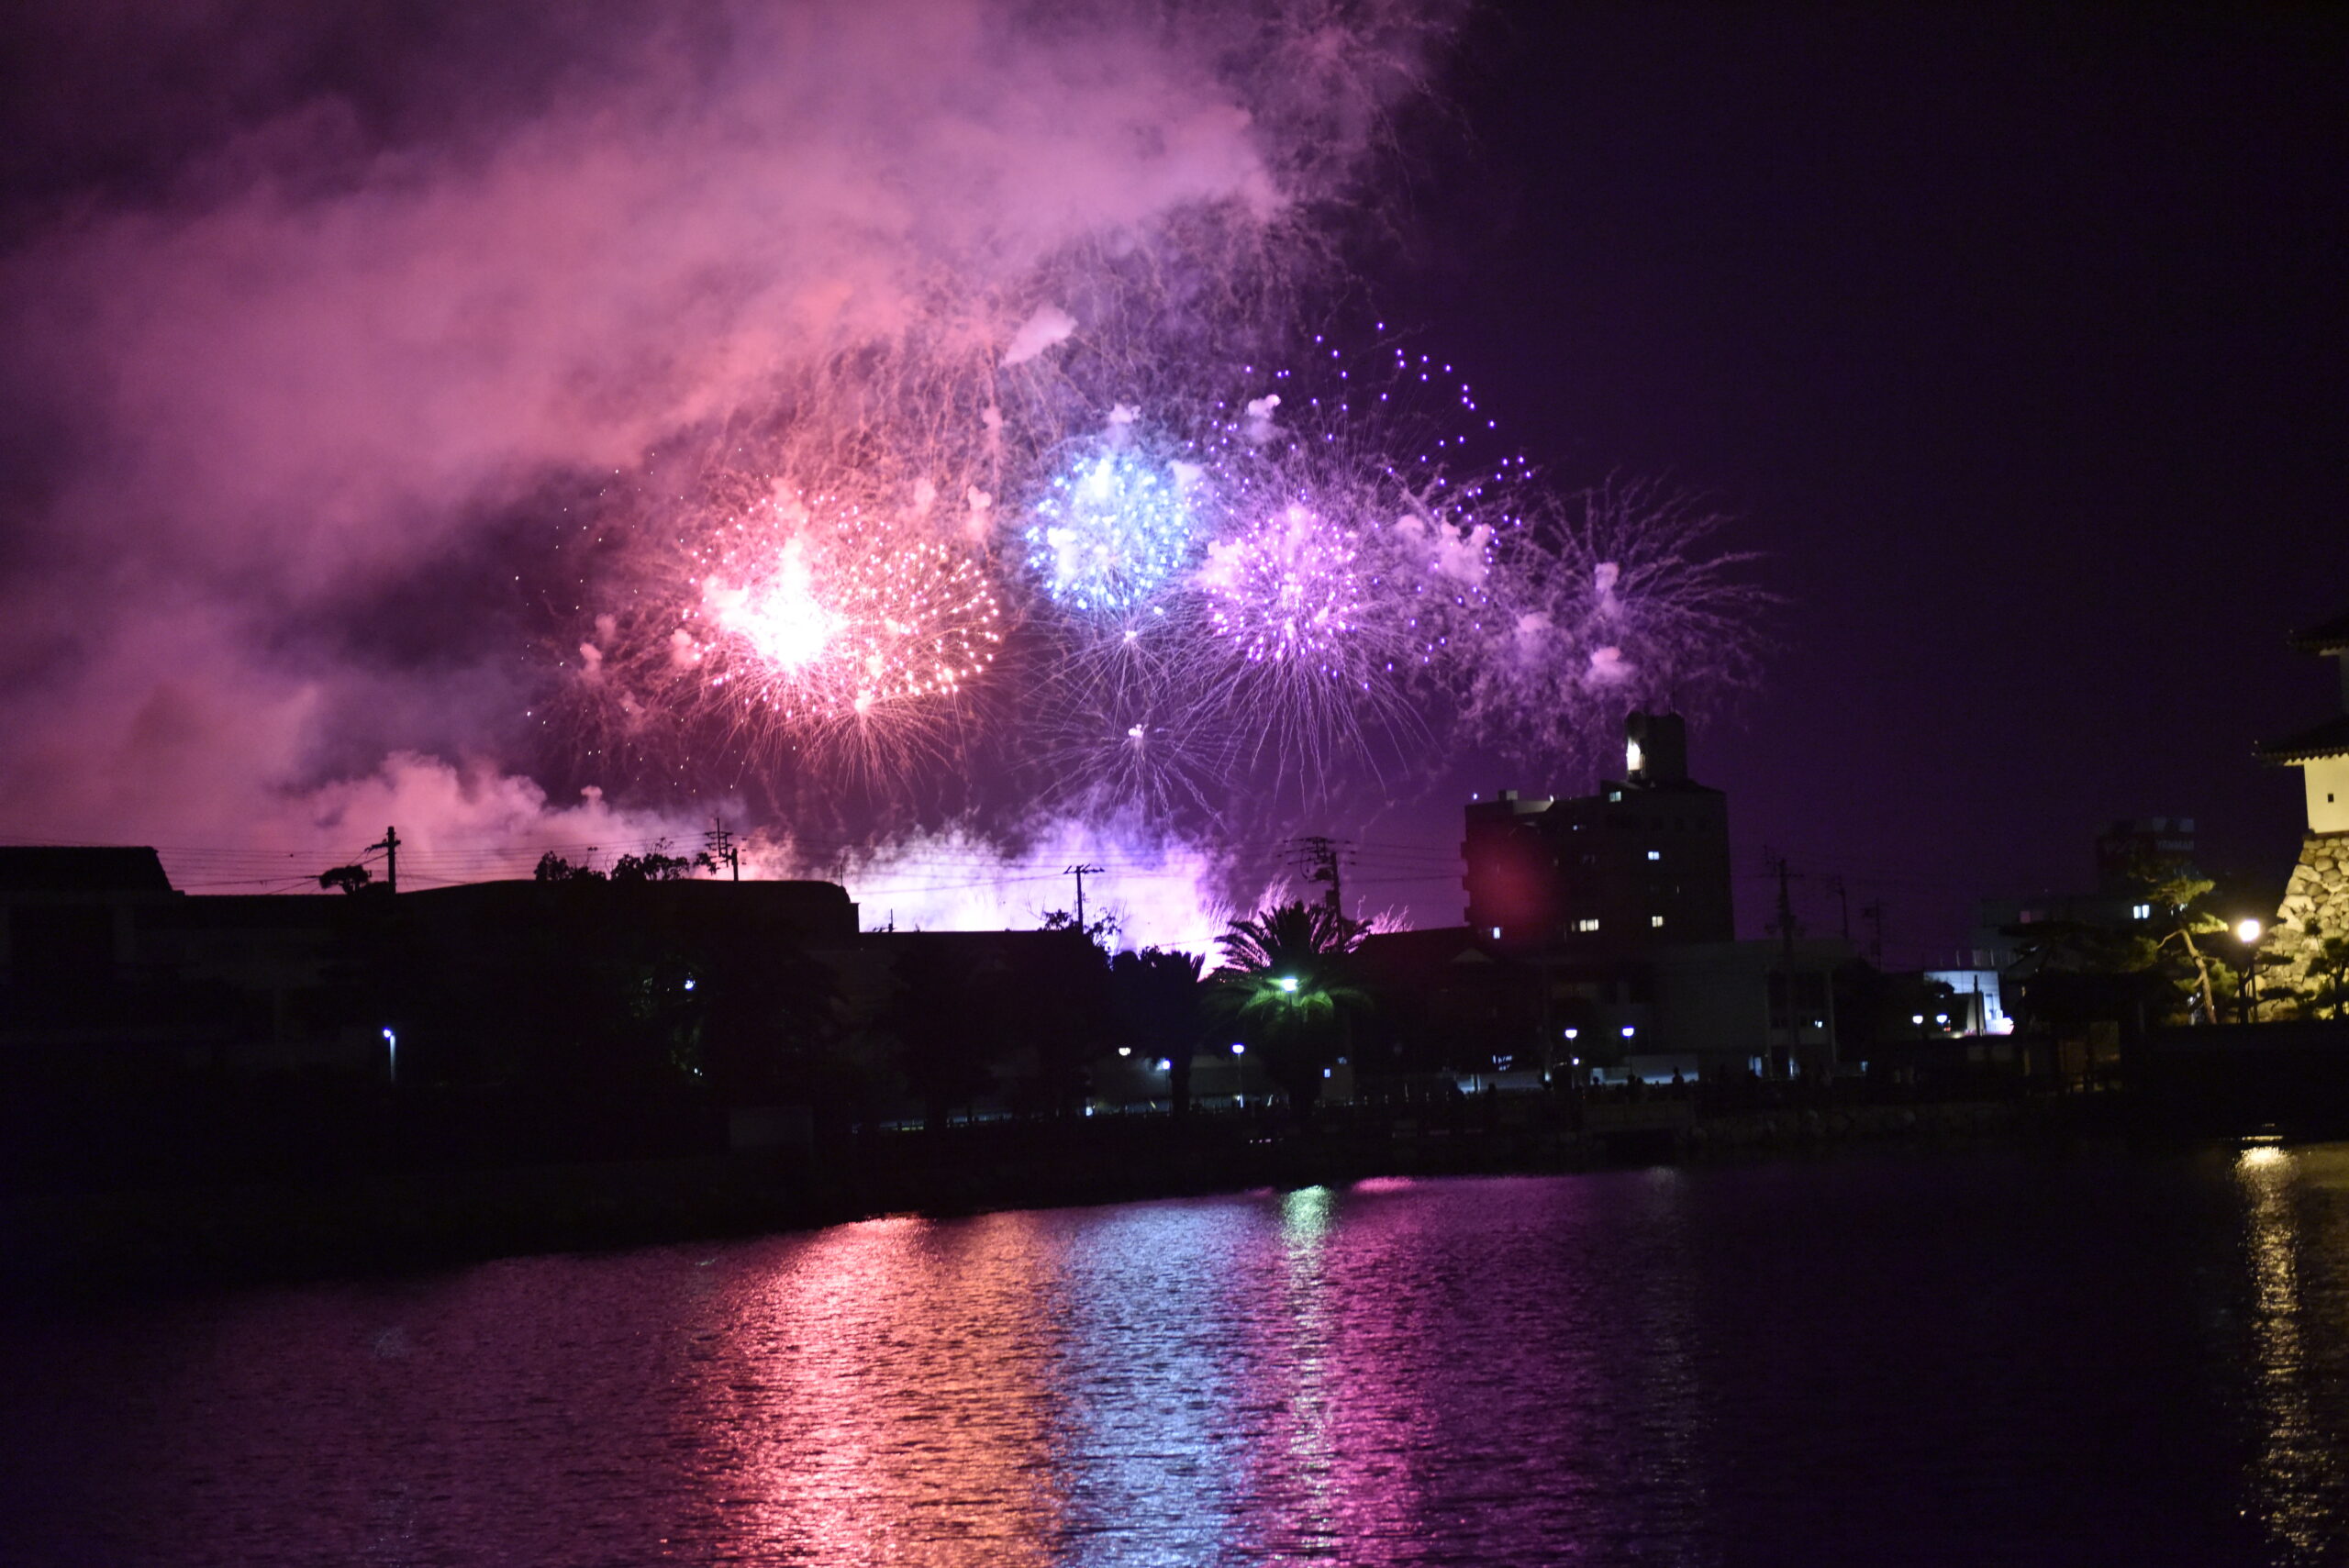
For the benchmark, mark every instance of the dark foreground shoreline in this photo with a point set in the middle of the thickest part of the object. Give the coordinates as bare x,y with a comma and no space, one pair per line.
160,1240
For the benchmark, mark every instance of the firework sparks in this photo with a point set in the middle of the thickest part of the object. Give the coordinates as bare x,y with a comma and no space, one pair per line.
1291,591
825,613
1112,534
1241,604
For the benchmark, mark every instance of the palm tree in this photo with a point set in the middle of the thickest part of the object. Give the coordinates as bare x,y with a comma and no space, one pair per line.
1287,988
1289,937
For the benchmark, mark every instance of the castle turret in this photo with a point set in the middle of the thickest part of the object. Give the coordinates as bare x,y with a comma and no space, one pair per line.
2316,900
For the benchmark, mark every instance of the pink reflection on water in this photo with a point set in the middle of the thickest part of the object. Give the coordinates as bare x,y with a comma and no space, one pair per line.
1271,1377
1336,1369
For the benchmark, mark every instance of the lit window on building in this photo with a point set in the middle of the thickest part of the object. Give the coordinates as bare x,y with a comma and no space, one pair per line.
1656,920
2141,911
1497,933
1655,854
1586,925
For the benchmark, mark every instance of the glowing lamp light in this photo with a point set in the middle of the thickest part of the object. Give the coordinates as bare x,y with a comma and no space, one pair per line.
1288,983
1125,1050
1573,1034
2247,931
1629,1031
1917,1018
1238,1049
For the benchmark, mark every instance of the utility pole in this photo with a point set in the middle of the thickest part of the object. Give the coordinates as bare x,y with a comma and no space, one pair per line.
1081,873
1317,856
1874,915
390,844
721,846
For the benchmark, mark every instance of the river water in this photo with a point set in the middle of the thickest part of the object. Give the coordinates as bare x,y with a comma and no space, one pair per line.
1971,1358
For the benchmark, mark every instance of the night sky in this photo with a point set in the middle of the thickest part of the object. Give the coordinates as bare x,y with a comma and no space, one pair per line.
2016,335
2013,336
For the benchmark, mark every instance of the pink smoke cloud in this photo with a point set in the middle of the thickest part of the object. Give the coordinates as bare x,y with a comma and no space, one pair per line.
321,356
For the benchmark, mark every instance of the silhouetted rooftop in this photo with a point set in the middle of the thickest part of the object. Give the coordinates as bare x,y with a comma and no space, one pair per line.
2330,738
2328,636
73,868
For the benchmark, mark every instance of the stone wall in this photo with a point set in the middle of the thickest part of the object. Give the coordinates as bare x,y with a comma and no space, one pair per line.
2316,904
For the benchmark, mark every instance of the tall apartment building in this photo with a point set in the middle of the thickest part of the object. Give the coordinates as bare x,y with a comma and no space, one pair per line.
1641,864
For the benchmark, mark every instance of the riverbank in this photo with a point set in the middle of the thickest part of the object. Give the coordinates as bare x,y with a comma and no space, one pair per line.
161,1239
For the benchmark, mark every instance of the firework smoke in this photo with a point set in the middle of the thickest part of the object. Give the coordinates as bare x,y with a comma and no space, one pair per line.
858,417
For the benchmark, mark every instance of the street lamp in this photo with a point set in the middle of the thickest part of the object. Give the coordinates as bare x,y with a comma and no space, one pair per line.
391,1057
1288,983
2247,931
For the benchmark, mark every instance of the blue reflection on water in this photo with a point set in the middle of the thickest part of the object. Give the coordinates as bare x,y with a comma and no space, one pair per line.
1152,1470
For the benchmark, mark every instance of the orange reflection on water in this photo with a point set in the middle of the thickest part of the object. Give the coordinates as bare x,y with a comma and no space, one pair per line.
889,1400
2300,1475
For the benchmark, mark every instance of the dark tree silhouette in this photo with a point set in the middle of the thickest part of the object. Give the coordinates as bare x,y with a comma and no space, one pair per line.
1156,994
